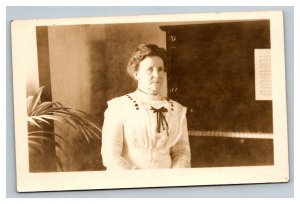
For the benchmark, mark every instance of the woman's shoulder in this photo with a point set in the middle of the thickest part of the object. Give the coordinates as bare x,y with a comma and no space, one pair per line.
118,101
175,103
177,107
118,106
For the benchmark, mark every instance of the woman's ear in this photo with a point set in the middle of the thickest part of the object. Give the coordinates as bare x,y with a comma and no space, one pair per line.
136,75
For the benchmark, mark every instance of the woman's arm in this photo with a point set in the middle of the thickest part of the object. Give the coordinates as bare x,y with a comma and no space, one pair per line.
180,152
112,140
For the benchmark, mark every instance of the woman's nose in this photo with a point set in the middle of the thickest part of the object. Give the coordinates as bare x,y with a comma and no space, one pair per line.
155,73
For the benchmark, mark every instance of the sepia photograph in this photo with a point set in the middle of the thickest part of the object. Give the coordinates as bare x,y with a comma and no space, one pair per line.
150,101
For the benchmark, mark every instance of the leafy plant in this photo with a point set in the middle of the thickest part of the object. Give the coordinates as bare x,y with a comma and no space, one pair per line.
41,114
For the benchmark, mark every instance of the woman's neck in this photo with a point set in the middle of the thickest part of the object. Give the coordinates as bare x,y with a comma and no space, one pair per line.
143,95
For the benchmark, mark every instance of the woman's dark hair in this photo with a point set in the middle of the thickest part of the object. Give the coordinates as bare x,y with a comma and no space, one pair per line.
143,51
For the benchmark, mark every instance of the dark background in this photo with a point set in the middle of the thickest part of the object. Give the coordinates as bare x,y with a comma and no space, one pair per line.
211,71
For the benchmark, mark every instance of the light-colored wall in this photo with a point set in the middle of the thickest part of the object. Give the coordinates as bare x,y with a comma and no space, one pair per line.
87,68
69,65
71,83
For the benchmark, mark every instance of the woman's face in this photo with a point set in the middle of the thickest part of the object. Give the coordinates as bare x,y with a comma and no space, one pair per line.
150,74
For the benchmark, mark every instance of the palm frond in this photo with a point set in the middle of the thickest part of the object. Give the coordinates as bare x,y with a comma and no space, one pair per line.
86,130
85,133
41,107
54,109
77,119
35,100
39,118
43,132
32,122
50,117
40,113
65,118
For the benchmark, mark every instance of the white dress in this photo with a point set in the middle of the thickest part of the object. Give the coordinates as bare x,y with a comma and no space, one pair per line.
135,136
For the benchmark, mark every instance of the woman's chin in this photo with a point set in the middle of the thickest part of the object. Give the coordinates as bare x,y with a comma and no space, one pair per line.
156,91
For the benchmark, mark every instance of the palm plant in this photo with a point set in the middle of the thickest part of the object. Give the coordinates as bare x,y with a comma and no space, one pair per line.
43,114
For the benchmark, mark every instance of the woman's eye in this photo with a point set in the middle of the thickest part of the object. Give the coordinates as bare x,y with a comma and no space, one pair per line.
150,69
160,69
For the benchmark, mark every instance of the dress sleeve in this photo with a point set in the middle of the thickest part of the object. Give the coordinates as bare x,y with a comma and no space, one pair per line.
112,139
180,152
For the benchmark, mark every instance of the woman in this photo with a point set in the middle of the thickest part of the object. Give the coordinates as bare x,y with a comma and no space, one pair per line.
144,130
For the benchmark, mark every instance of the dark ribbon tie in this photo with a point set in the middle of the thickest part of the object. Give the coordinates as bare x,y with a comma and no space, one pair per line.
160,118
